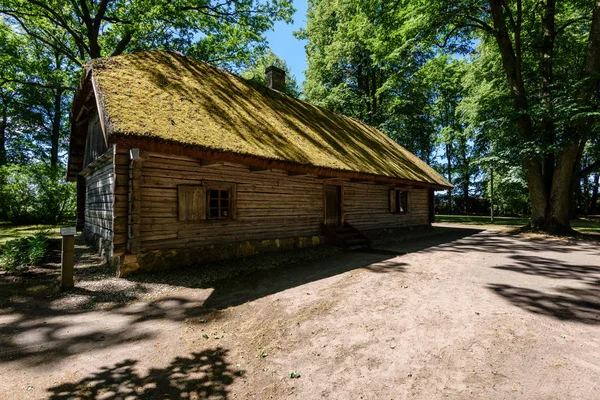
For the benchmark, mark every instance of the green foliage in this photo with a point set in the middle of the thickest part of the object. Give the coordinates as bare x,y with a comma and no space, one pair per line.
35,193
510,191
365,64
223,32
43,44
19,254
256,72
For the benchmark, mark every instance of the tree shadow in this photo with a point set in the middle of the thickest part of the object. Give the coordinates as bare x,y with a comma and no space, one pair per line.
567,304
203,375
37,328
498,242
550,268
253,285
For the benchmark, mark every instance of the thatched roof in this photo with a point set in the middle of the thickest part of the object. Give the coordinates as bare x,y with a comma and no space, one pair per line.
173,99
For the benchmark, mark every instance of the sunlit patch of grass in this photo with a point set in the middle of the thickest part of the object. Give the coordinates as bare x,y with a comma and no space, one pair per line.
10,232
588,225
482,220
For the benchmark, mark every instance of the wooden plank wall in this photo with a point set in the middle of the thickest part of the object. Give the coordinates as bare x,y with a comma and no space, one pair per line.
366,206
121,205
99,189
270,204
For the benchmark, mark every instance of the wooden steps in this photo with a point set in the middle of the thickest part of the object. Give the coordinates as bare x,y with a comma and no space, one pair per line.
346,236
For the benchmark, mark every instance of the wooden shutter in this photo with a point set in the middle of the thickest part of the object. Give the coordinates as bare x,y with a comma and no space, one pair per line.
392,197
191,203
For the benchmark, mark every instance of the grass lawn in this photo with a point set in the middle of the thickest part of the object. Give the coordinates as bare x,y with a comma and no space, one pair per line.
9,231
588,225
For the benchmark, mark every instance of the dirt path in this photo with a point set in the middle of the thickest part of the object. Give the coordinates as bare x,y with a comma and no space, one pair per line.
466,314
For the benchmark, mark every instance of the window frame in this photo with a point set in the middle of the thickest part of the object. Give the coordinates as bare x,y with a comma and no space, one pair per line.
203,205
219,206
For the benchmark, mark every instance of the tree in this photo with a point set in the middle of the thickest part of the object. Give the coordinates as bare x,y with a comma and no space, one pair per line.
61,36
33,84
10,60
88,29
256,72
353,69
550,57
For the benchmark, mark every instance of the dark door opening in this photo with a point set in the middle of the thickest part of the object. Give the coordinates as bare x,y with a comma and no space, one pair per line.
333,207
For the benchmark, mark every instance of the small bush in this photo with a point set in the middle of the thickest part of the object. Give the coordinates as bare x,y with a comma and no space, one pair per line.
19,254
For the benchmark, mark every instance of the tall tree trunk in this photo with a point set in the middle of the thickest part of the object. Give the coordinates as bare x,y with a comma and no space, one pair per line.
524,127
56,127
548,128
594,200
558,216
537,192
575,182
3,124
465,170
449,172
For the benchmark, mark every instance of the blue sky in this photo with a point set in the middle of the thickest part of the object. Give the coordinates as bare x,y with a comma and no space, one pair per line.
285,45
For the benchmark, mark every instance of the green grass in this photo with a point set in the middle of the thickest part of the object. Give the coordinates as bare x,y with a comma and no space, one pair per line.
10,232
482,220
589,225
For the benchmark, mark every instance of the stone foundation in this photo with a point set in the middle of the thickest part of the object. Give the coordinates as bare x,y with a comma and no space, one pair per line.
187,257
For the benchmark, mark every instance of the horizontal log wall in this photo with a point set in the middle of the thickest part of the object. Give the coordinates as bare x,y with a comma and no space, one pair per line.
366,206
121,207
269,205
99,199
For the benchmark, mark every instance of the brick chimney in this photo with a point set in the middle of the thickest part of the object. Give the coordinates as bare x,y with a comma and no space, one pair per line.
275,78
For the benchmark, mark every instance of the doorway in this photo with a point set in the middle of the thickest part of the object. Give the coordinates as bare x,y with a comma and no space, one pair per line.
333,205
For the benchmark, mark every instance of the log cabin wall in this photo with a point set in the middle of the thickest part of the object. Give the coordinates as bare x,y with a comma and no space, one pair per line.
121,200
99,203
366,207
269,204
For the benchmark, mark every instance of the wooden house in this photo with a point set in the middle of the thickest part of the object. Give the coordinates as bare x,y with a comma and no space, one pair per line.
178,162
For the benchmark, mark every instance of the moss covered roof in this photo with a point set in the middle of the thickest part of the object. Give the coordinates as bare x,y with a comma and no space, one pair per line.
173,98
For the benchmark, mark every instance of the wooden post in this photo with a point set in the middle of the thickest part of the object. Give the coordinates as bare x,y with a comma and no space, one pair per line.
67,258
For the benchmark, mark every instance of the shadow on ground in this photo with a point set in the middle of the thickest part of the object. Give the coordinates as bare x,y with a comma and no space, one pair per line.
201,376
258,284
37,327
565,303
537,257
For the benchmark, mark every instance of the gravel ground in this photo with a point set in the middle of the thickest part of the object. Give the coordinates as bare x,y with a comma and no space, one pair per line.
464,314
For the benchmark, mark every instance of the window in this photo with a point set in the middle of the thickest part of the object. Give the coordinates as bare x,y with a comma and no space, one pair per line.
398,201
218,204
212,201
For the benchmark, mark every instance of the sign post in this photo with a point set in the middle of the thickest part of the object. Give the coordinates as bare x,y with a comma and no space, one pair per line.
67,257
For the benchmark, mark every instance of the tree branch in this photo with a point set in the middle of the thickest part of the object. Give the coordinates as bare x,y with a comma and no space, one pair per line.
589,169
123,43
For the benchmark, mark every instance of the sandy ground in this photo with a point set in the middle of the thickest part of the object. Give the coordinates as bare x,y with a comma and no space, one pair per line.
466,314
